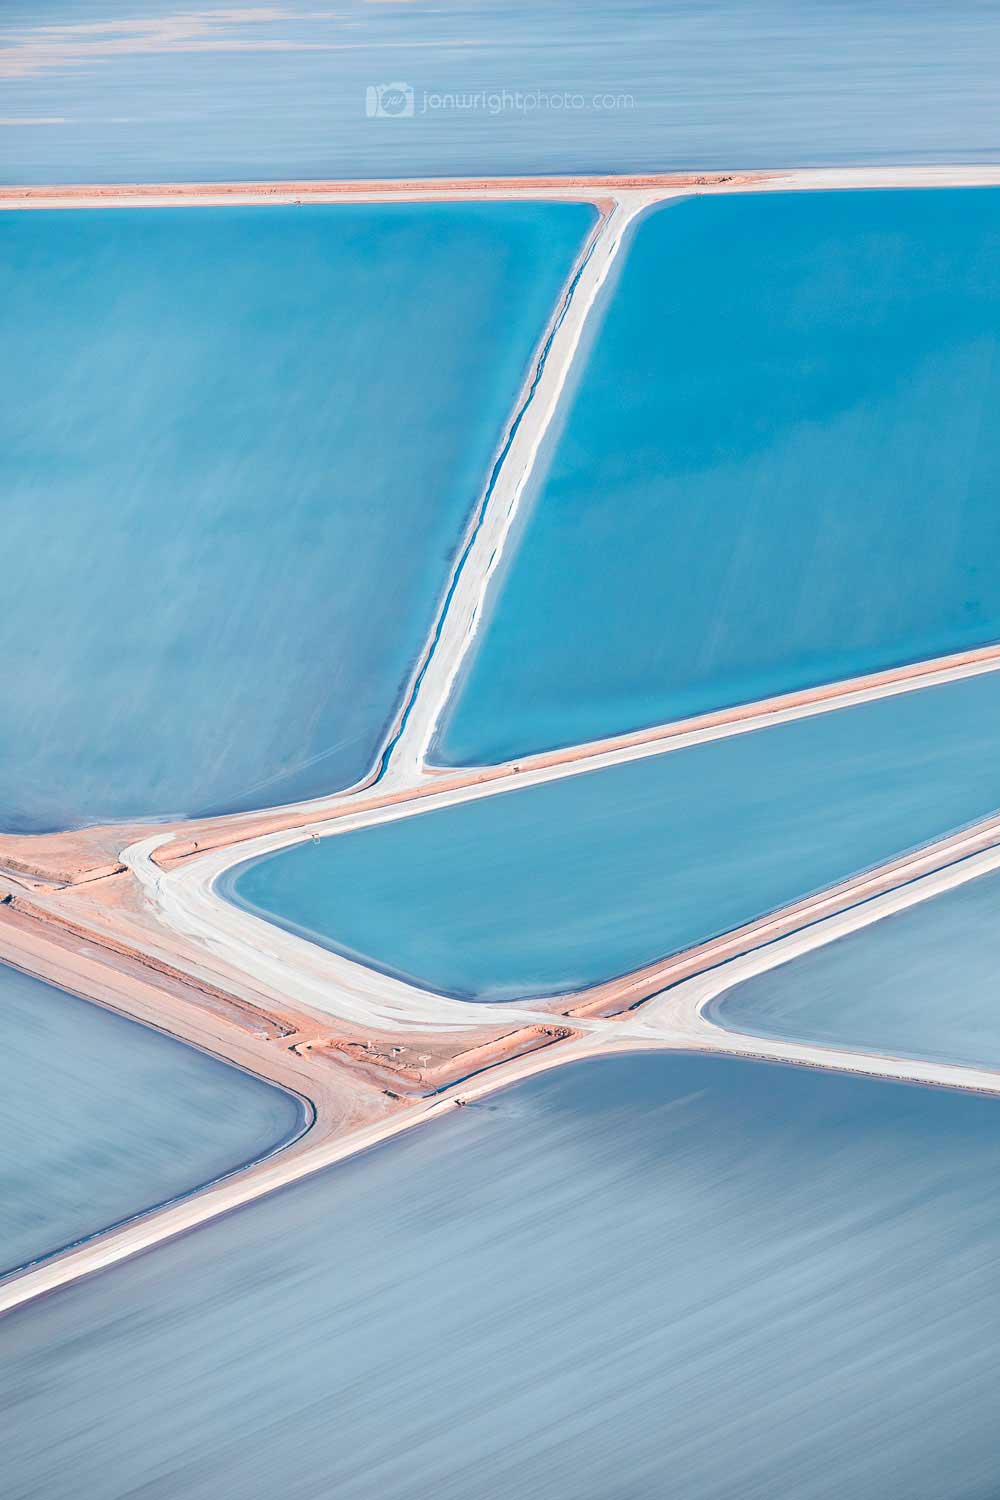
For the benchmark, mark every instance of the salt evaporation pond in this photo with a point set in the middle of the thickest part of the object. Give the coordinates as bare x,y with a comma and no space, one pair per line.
921,983
655,1275
549,888
102,1118
780,469
239,448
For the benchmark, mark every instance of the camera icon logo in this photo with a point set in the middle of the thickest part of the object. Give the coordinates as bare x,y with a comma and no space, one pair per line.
389,101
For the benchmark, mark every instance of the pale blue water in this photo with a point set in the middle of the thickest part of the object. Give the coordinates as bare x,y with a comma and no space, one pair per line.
239,450
922,983
644,1277
721,84
101,1118
549,888
780,468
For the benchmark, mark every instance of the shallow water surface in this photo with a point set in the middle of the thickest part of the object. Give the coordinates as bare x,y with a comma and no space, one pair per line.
779,469
549,888
101,1118
140,90
921,983
646,1276
238,450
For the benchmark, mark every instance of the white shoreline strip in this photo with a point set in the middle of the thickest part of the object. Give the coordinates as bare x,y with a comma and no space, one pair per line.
805,179
405,765
677,1016
185,901
481,519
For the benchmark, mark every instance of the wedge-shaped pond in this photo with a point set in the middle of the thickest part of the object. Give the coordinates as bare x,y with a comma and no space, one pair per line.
780,468
101,1118
549,888
645,1276
924,982
239,448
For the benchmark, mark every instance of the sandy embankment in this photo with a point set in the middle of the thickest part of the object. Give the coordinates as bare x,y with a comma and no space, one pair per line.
591,187
110,195
409,1068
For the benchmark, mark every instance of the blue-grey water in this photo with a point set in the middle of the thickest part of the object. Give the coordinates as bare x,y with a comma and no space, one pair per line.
238,450
549,888
922,983
132,90
647,1276
780,468
101,1118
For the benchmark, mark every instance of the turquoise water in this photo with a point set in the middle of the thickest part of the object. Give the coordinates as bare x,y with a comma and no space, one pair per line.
550,888
239,448
921,983
648,1276
101,1118
280,90
780,468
